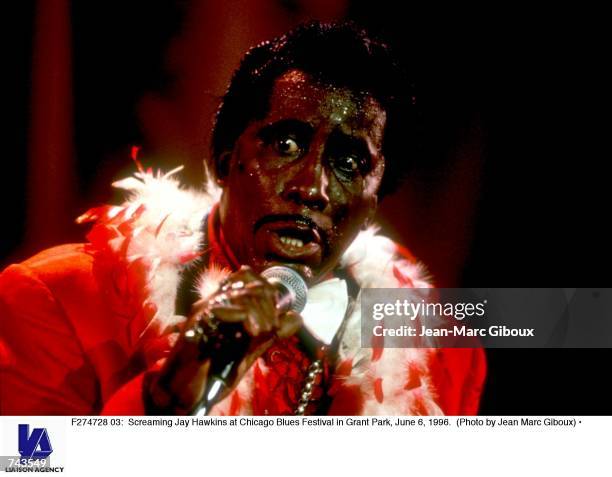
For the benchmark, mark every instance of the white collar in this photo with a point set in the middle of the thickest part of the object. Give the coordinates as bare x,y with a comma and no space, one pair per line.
325,309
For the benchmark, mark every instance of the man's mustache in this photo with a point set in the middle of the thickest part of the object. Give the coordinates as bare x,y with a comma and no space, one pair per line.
267,219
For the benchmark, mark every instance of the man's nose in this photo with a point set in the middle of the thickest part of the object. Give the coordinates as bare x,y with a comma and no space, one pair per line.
309,184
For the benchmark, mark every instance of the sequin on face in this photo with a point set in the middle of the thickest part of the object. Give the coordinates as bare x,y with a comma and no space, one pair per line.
303,179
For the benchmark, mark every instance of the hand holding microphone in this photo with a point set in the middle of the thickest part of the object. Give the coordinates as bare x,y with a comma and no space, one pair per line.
224,336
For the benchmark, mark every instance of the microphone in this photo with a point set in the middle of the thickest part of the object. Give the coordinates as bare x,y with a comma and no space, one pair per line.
291,287
292,295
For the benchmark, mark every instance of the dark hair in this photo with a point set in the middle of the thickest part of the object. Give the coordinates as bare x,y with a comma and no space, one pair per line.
339,54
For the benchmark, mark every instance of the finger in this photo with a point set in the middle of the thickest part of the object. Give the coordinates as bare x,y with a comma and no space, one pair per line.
230,313
245,274
197,310
251,324
264,312
249,278
261,322
291,322
269,307
250,290
260,308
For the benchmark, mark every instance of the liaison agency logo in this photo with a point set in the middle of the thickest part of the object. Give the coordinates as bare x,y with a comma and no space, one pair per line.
35,445
32,446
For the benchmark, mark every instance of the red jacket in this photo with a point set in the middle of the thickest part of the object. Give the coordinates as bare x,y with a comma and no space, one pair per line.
78,330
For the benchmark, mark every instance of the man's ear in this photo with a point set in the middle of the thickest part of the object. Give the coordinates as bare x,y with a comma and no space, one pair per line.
222,165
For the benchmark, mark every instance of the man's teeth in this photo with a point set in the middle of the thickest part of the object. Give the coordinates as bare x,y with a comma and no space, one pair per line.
292,241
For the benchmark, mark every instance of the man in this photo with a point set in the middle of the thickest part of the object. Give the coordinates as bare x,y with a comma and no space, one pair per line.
312,131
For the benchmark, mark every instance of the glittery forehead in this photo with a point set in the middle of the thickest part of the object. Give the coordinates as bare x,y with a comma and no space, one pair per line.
336,103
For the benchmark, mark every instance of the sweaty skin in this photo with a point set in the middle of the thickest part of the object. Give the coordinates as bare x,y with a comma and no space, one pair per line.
298,186
302,181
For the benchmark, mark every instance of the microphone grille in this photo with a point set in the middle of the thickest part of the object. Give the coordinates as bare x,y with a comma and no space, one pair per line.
292,281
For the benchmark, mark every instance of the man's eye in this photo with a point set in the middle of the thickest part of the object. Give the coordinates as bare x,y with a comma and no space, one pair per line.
287,146
348,165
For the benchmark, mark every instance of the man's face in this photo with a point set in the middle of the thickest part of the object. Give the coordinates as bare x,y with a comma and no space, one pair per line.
301,182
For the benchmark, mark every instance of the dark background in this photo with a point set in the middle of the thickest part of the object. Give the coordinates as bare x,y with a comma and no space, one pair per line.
510,191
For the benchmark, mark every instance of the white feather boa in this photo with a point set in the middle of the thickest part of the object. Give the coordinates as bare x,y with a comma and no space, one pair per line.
167,234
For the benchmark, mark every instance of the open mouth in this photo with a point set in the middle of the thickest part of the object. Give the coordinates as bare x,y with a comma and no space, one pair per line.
294,241
296,237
